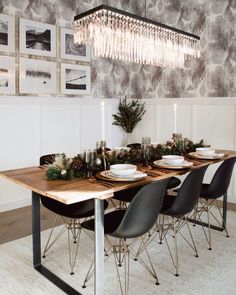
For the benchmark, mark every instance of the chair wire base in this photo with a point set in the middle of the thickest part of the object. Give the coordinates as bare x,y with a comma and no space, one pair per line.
73,228
162,230
121,252
206,206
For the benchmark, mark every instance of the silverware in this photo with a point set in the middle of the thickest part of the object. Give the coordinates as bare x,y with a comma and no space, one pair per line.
151,173
105,183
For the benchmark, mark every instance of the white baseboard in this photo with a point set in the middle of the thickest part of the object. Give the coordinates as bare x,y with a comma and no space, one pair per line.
15,205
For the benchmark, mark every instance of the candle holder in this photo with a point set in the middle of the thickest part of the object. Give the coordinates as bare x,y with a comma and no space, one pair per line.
87,160
146,150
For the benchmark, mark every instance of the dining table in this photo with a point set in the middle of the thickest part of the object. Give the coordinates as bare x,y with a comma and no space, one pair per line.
77,190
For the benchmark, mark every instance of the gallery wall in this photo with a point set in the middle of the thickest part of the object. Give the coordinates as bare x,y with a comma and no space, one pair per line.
213,75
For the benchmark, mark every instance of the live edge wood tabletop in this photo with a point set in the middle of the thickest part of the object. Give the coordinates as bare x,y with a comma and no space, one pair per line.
77,190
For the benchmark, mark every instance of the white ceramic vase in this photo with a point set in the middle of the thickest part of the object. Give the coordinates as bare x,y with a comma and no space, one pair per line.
128,138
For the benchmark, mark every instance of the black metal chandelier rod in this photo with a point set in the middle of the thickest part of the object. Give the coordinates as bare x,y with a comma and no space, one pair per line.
134,16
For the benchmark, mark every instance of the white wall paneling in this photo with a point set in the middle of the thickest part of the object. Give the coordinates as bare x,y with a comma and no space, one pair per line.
32,126
60,125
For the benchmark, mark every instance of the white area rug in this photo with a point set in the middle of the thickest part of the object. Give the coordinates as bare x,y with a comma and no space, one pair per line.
213,273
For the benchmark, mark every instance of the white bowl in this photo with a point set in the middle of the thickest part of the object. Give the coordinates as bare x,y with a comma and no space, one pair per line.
205,151
123,169
173,160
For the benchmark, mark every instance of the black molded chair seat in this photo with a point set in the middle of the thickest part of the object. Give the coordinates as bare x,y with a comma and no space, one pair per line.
204,189
140,215
111,221
220,181
127,195
77,210
178,207
73,211
135,145
174,181
167,203
188,194
211,192
136,221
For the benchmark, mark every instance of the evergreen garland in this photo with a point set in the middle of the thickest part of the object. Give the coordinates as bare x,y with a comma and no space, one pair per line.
67,168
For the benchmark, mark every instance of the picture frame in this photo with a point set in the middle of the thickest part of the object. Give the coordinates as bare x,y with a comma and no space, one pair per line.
37,76
7,75
7,33
71,50
75,79
37,38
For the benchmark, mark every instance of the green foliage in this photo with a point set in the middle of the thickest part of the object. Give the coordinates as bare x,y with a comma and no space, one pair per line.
66,168
135,155
129,114
53,173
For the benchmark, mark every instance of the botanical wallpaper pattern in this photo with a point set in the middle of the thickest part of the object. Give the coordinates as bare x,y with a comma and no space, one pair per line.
213,75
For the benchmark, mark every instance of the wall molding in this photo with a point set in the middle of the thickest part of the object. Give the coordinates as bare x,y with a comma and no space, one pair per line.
7,99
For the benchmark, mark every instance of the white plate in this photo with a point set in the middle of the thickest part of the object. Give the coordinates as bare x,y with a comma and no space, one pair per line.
162,164
136,176
209,157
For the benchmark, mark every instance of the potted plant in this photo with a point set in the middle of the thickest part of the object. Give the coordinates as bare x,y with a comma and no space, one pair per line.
128,116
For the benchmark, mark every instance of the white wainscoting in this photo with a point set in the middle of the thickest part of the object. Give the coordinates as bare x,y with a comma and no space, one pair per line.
33,126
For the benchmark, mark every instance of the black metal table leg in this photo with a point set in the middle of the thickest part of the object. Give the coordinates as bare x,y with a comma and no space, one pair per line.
36,234
225,197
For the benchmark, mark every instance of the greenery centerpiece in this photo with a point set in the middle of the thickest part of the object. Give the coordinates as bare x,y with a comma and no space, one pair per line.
67,168
129,114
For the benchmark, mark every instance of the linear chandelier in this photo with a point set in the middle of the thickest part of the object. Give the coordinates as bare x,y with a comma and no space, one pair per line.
117,34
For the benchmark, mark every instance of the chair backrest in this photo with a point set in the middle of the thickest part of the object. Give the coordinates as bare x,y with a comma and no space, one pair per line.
134,145
143,211
221,179
189,192
47,159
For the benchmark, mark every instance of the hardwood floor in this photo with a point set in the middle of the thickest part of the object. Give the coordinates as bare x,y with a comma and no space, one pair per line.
17,223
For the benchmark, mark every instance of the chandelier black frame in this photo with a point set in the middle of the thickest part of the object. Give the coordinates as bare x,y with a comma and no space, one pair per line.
125,36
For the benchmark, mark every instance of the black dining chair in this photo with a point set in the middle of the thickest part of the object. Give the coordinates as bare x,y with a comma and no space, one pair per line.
70,215
126,196
210,193
134,145
132,223
178,208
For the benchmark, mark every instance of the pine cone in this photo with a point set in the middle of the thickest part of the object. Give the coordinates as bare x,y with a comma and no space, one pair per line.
76,163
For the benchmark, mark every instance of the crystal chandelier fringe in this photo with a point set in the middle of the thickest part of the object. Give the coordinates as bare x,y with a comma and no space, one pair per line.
118,36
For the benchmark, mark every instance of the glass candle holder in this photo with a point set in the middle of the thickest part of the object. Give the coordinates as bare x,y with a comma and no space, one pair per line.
146,149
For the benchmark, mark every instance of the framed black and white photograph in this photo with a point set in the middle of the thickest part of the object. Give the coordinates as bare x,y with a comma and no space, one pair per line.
7,75
7,33
37,76
70,49
75,79
37,38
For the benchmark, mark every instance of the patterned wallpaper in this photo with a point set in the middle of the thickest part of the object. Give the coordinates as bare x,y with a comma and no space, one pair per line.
213,75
